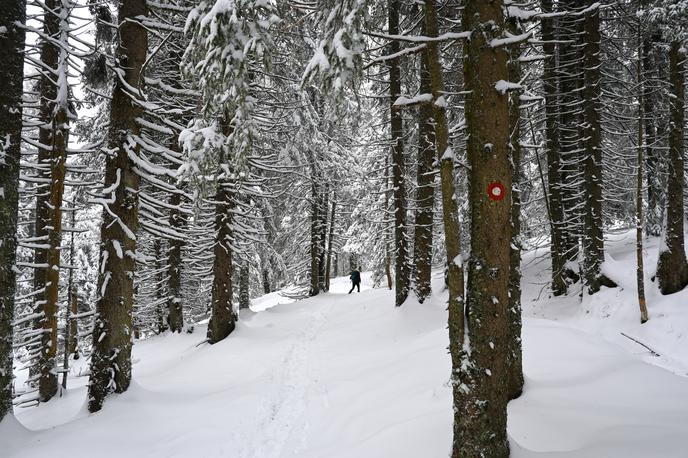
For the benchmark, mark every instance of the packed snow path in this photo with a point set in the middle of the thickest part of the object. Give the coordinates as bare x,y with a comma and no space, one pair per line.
352,376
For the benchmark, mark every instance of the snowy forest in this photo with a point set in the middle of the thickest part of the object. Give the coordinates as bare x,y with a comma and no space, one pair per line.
343,228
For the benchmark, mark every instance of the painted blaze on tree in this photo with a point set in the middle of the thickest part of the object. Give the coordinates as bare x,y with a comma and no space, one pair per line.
495,191
483,375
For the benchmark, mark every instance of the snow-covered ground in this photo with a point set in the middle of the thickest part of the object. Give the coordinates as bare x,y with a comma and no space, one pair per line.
352,376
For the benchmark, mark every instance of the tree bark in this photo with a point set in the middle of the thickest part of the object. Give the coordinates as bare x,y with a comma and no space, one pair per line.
593,237
640,271
244,295
672,268
483,392
11,74
515,352
450,219
71,326
551,89
266,281
48,381
425,192
70,330
388,235
175,312
158,286
49,140
401,269
330,240
111,357
652,155
315,233
222,320
570,72
322,238
335,268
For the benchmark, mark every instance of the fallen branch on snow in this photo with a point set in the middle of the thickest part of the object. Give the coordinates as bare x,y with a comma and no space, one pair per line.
654,353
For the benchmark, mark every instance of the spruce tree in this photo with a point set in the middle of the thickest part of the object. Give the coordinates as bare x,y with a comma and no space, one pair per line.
398,165
515,351
113,330
12,38
640,271
553,195
593,238
672,268
425,191
483,389
450,219
175,316
55,116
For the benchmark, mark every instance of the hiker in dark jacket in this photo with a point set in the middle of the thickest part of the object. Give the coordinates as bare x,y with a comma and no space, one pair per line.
355,280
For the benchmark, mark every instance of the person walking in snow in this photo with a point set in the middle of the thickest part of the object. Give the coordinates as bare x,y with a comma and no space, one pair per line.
355,280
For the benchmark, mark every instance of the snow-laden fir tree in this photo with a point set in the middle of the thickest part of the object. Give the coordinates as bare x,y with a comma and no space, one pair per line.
113,331
230,47
672,267
12,36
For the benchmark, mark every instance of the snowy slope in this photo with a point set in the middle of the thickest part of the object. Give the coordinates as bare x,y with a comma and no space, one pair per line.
352,376
613,311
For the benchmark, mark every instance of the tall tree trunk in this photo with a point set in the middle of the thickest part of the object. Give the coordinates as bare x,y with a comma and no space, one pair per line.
335,269
571,79
222,320
244,294
593,237
401,268
388,234
652,154
322,238
640,271
450,219
330,240
45,365
672,268
425,193
515,351
159,284
70,330
71,326
111,357
484,386
175,312
48,380
266,281
73,345
551,88
12,75
315,234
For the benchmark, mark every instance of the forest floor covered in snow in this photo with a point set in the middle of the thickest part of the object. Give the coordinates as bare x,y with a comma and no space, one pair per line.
352,376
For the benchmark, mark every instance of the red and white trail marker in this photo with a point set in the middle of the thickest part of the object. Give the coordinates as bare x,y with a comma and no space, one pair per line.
495,191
